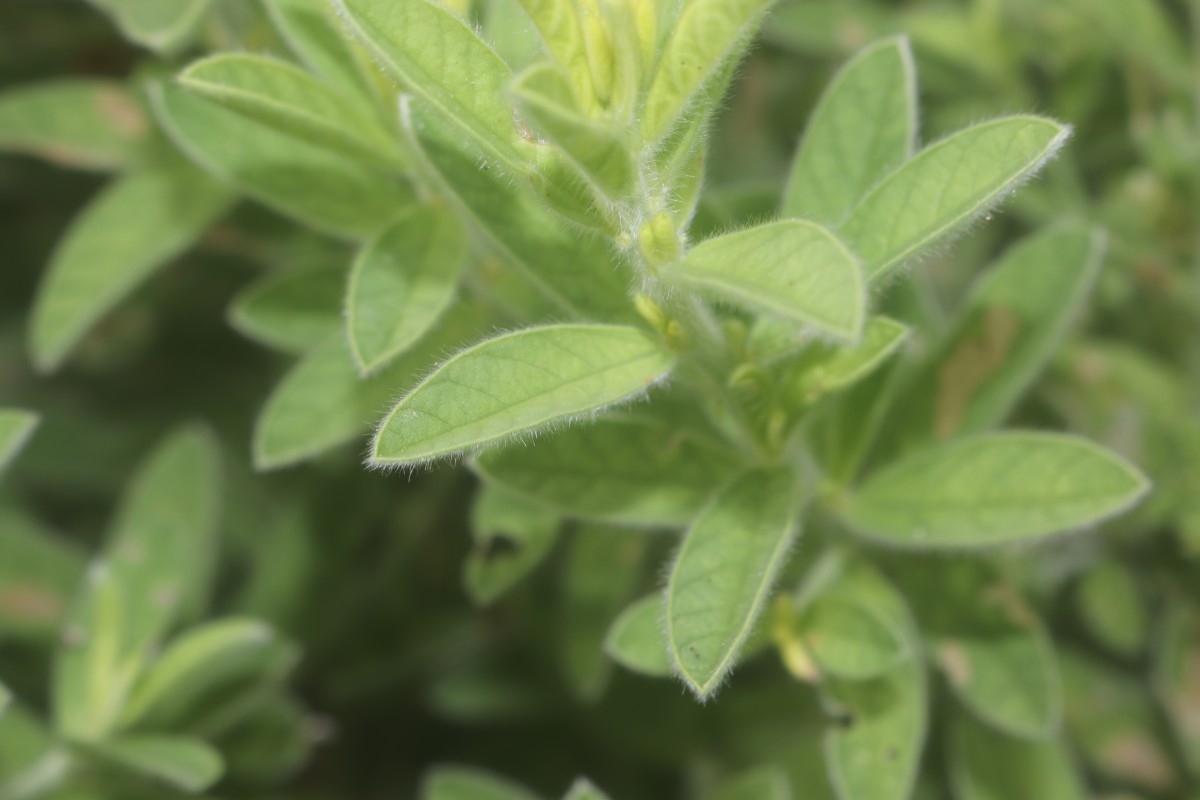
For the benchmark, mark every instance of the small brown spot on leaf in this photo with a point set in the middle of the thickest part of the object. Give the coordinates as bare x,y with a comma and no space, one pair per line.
968,367
122,112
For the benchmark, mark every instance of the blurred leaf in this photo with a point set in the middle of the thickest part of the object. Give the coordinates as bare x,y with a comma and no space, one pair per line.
511,538
1112,608
824,369
583,789
292,310
637,641
988,765
38,575
313,32
1177,677
764,783
16,426
847,639
161,25
464,783
182,763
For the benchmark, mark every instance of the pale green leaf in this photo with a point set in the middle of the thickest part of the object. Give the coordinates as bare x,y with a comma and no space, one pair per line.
156,562
39,573
764,783
989,644
322,189
518,383
583,789
291,310
465,783
161,25
623,470
1010,326
991,489
822,370
134,226
945,186
705,43
557,23
5,699
201,666
873,747
601,573
286,98
76,123
16,427
848,640
26,746
987,765
1112,607
598,150
792,268
724,571
864,126
177,761
637,640
401,282
511,537
314,33
434,54
323,402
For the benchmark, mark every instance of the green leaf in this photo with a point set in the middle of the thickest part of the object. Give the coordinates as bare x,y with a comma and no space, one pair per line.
156,563
5,699
558,23
201,667
16,427
823,370
511,537
323,190
624,469
313,32
1112,607
323,402
583,789
847,639
995,653
987,765
76,123
792,268
864,126
992,489
292,310
946,185
186,764
434,54
39,572
26,746
636,640
874,745
161,25
287,99
518,383
134,226
1176,665
602,571
597,150
1010,326
464,783
764,783
708,39
402,281
724,572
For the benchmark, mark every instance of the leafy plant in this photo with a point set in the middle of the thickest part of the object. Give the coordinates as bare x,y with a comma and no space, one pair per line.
731,421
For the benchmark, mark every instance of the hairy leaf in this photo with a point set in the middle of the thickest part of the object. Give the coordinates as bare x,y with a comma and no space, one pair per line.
723,573
864,126
291,310
991,489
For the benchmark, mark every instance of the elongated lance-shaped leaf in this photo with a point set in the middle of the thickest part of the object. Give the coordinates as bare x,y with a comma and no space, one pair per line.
286,98
724,571
16,426
583,789
511,537
322,189
39,573
989,644
557,22
624,470
821,370
945,186
401,283
180,762
636,640
436,56
313,33
156,562
82,124
864,126
574,273
518,383
136,225
598,150
1010,326
763,783
709,38
323,402
466,783
792,268
873,746
161,25
291,310
988,765
992,489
